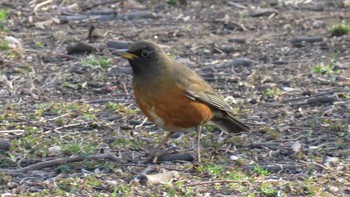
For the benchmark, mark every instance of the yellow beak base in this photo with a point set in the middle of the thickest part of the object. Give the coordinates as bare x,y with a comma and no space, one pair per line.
129,56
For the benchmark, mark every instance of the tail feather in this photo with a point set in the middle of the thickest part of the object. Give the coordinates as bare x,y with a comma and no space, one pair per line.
230,124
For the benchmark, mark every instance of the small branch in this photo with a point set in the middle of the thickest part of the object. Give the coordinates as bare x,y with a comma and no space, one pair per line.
35,10
103,101
12,131
142,123
312,96
125,89
317,164
61,116
91,5
57,130
215,182
61,161
327,112
278,168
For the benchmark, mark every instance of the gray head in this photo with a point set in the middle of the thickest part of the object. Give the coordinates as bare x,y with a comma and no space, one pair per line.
145,56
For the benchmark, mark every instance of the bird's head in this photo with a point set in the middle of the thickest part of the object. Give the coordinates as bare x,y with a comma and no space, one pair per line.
145,56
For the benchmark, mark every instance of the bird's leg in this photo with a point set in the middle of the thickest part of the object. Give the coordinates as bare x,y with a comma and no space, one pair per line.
159,146
198,140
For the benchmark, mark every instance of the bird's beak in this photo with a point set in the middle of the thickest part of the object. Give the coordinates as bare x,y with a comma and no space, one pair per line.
129,56
123,53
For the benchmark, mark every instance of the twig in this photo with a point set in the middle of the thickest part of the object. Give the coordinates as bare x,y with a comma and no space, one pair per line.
274,180
49,83
96,4
277,168
125,89
65,127
215,182
103,101
27,122
35,10
237,5
312,96
317,164
61,161
327,111
12,131
9,83
341,102
142,123
61,116
147,166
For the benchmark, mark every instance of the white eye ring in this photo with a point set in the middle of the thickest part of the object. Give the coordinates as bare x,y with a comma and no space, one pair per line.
145,53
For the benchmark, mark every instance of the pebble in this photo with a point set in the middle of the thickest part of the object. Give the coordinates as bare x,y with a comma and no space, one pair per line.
234,158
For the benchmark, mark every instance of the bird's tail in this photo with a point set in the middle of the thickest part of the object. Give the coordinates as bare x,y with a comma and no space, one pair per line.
228,123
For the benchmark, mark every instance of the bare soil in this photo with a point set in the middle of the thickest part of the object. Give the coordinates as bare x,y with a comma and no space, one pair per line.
276,62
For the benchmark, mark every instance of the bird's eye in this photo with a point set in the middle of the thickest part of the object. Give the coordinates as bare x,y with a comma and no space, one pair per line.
145,53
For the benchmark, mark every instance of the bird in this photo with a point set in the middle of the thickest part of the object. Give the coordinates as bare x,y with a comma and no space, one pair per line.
175,97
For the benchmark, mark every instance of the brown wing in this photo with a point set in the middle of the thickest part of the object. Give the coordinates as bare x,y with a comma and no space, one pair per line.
198,89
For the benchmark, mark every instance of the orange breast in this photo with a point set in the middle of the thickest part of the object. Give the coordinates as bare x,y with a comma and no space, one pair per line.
170,108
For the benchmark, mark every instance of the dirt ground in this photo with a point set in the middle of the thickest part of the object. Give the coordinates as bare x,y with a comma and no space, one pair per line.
276,62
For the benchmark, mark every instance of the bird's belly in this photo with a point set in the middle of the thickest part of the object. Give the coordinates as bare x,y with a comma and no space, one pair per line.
173,110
